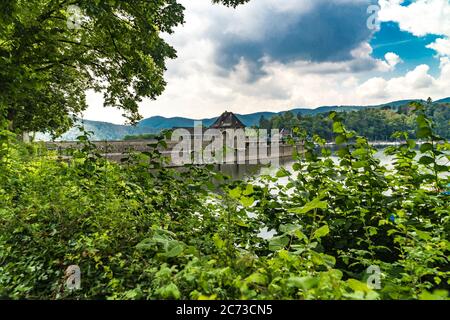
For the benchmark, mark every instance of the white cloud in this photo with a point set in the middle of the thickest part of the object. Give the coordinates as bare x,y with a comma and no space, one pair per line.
441,46
374,88
392,59
417,83
198,87
418,78
420,18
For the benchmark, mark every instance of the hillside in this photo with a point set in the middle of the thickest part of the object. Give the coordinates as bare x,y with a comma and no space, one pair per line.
446,100
376,124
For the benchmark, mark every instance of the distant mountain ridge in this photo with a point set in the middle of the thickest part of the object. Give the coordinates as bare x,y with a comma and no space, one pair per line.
109,131
445,100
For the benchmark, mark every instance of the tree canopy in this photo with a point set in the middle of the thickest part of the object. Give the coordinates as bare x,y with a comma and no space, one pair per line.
52,52
373,123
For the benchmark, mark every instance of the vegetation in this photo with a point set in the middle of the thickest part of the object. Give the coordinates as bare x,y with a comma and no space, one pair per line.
138,230
375,124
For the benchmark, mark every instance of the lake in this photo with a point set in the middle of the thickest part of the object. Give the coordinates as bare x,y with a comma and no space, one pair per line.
244,171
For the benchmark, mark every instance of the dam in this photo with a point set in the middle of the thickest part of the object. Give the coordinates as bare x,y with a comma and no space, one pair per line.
227,141
118,150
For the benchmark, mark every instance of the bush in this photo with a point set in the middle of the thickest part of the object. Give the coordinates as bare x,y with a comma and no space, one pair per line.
140,232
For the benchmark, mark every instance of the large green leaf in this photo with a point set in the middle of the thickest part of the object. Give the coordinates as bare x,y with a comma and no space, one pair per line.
321,232
312,205
278,243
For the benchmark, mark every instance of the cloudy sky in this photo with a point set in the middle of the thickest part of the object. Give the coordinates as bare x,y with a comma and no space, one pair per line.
275,55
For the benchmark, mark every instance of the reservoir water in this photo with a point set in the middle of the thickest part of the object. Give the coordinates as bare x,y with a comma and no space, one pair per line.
244,171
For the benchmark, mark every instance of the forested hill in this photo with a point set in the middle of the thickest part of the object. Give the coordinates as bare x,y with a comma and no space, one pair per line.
377,123
313,118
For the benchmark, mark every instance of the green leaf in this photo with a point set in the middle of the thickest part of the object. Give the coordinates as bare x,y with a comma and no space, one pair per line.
314,204
170,291
305,283
359,164
174,249
332,115
247,201
341,153
372,231
424,132
218,241
425,160
235,193
257,278
248,190
321,232
326,152
146,244
423,235
338,127
278,243
295,230
426,147
411,143
289,228
359,152
422,121
436,295
356,285
283,173
340,139
329,260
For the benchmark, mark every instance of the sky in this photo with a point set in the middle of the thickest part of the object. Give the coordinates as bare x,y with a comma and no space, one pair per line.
276,55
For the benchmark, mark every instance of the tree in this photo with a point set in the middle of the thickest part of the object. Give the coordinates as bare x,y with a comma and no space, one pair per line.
53,51
374,123
231,3
264,123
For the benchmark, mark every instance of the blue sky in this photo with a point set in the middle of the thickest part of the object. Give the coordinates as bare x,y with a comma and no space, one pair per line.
410,48
274,55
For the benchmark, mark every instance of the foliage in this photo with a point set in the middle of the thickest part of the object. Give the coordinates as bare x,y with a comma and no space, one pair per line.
374,123
51,53
139,230
231,3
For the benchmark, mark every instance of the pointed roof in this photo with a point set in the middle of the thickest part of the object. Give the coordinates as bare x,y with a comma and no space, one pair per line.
227,120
